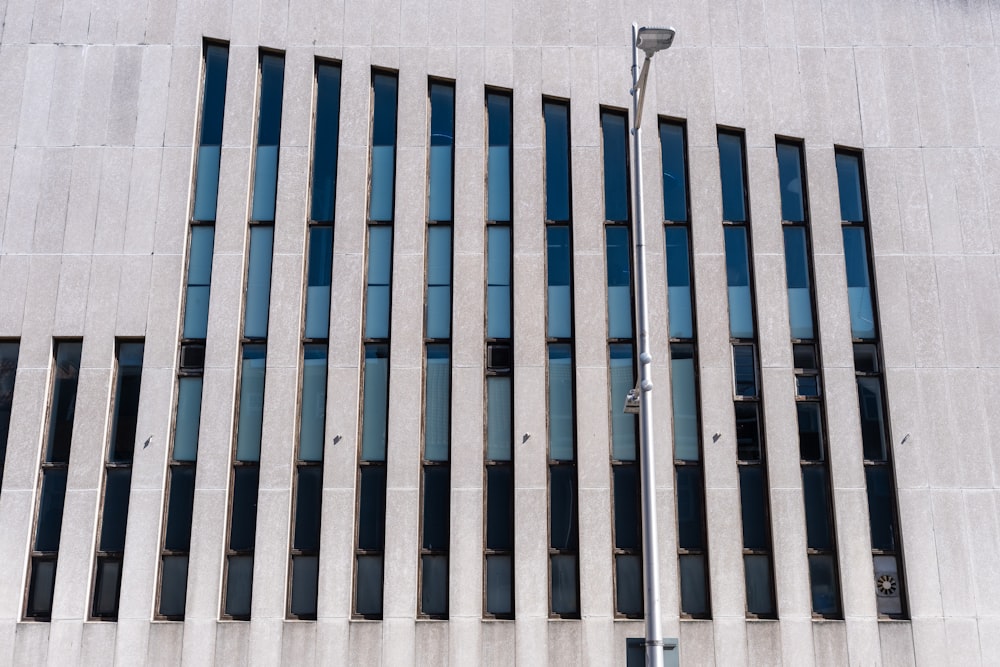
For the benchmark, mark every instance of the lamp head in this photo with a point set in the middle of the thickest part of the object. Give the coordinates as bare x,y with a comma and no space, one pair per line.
651,40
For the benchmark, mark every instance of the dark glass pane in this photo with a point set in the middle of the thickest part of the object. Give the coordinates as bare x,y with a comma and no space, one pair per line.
383,147
499,418
747,431
810,419
790,176
319,278
615,167
371,522
498,294
251,405
865,358
308,508
859,288
564,585
258,282
50,510
109,572
179,509
439,281
760,598
816,491
63,407
441,151
115,517
684,396
679,283
823,584
561,403
562,507
745,370
499,585
437,403
807,386
559,273
804,357
753,503
173,586
378,296
324,175
849,183
437,496
627,516
498,157
619,283
126,409
690,521
313,408
499,507
305,576
434,585
8,374
376,403
214,101
244,522
731,170
872,418
556,161
694,591
628,584
43,579
741,323
674,177
368,589
239,586
881,507
800,308
199,280
623,426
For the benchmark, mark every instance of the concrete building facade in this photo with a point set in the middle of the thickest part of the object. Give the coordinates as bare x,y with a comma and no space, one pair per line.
103,119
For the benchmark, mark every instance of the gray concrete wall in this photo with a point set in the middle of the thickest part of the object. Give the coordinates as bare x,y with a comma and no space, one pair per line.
98,107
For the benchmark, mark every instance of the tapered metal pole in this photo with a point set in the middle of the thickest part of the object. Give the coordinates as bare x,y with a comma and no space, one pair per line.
650,549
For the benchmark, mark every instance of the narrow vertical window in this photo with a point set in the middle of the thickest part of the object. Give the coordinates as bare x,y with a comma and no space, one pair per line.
184,450
821,542
8,375
758,565
54,468
564,543
692,541
117,481
302,603
250,406
499,512
883,513
621,362
370,551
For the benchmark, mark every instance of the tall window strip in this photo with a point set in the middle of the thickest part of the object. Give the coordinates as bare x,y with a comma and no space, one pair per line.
758,565
436,481
621,362
117,481
369,555
564,543
9,350
868,367
315,348
184,451
821,541
692,539
54,468
250,407
499,474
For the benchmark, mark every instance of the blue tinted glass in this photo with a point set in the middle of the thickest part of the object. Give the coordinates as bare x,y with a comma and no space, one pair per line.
442,143
859,288
265,183
383,147
622,425
437,403
188,419
318,285
198,282
438,282
376,403
498,306
679,283
324,176
849,184
800,310
685,402
619,282
251,407
498,158
258,282
556,161
731,170
379,282
272,74
499,418
790,177
313,408
674,176
615,167
738,280
561,403
214,102
207,183
558,268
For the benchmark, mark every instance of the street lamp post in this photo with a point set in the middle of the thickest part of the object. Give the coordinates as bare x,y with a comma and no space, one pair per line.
649,40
